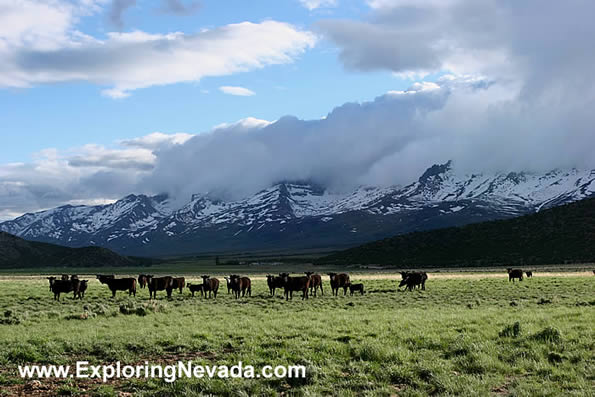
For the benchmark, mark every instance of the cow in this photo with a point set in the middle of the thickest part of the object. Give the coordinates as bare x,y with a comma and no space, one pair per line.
340,280
81,288
274,282
211,285
414,279
159,284
178,283
52,280
119,284
529,274
228,281
514,273
62,286
295,284
315,282
143,280
241,285
356,287
194,288
65,277
73,277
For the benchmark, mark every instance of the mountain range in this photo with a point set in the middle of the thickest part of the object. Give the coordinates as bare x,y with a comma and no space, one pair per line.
296,215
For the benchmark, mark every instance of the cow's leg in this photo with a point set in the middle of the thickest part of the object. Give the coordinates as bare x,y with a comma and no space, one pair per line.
113,293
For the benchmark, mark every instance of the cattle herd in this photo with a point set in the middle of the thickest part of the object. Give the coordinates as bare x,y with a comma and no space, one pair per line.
307,285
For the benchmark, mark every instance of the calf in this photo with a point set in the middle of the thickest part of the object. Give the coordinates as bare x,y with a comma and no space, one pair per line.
178,283
240,285
143,279
119,284
414,279
315,282
159,284
529,274
194,288
514,273
274,282
211,285
295,284
340,280
356,287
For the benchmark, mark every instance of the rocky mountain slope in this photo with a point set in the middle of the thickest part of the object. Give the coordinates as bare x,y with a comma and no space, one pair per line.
293,215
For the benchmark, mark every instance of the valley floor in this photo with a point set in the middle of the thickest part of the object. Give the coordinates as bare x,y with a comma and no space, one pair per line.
466,334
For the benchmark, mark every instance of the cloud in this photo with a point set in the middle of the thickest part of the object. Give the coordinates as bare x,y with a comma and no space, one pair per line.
541,46
39,44
177,7
117,9
239,91
84,175
314,4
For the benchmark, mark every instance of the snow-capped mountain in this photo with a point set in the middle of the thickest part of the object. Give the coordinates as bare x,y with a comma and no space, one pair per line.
303,215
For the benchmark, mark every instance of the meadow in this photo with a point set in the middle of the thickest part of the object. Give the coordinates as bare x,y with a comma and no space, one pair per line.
464,335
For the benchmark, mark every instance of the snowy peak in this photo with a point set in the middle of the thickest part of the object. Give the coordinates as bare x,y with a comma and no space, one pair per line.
440,197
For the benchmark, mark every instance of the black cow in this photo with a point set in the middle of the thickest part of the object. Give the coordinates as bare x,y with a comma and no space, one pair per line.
119,284
178,283
412,280
529,274
274,282
62,286
514,273
81,288
194,288
356,288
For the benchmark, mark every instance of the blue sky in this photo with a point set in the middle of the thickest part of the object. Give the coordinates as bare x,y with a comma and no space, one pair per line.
70,114
103,98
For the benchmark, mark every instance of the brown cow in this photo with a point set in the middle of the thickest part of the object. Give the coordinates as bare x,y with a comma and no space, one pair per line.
119,284
210,284
143,280
295,284
340,280
315,282
274,282
194,288
159,284
514,273
240,284
178,283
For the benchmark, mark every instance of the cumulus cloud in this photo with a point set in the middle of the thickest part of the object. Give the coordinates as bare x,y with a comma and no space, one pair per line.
39,44
238,91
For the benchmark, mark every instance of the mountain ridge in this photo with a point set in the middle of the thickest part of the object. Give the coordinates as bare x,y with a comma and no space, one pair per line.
303,215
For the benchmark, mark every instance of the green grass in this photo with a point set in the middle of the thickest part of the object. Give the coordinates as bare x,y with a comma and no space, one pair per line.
459,337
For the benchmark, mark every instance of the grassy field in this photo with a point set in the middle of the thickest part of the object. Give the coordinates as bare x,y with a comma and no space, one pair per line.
470,335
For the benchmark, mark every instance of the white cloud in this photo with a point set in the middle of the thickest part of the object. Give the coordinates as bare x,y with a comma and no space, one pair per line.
234,90
314,4
39,43
156,140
